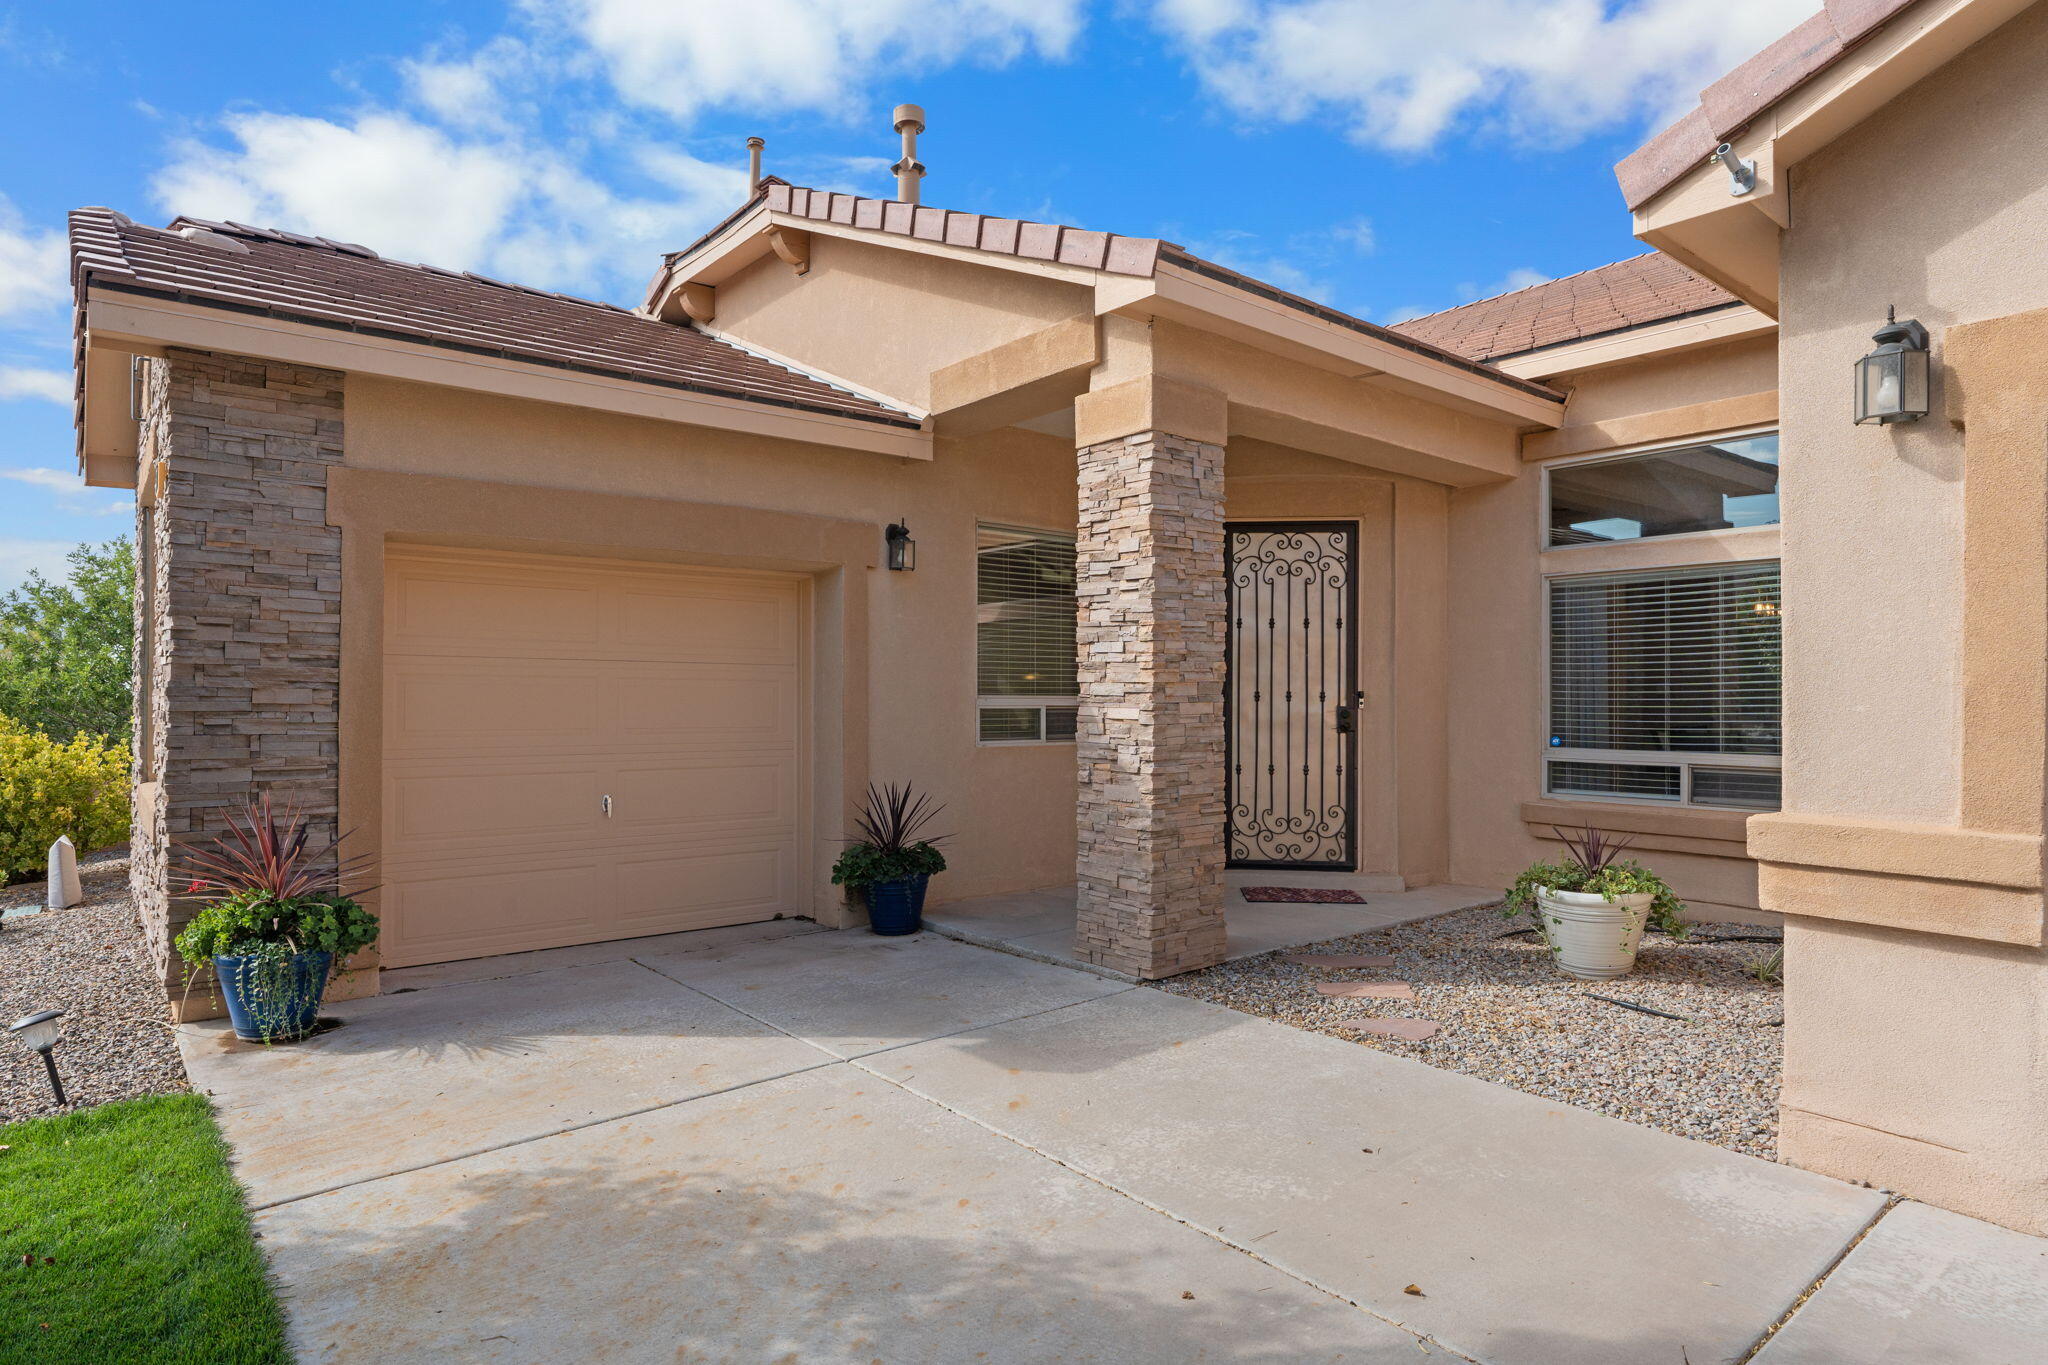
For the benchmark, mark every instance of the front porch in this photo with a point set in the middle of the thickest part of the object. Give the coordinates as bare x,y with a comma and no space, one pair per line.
1040,924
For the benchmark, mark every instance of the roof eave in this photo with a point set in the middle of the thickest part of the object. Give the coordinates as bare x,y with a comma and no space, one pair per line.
121,318
1682,203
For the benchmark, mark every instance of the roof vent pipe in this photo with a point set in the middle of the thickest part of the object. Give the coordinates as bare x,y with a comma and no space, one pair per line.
754,146
909,122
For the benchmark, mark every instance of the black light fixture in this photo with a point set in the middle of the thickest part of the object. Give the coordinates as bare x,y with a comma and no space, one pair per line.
39,1032
1891,382
902,549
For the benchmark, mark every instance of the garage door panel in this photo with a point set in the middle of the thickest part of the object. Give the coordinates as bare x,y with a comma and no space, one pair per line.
442,613
479,706
708,621
741,706
668,893
674,799
522,689
425,811
433,916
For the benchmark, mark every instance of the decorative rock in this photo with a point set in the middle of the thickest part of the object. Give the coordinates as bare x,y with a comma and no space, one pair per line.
1342,959
1414,1030
1371,990
1508,1015
64,890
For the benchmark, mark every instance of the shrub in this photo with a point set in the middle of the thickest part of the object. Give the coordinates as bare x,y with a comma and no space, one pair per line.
888,848
47,789
275,894
1594,865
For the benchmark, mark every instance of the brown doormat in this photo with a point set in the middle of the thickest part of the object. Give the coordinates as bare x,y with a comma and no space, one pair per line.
1301,895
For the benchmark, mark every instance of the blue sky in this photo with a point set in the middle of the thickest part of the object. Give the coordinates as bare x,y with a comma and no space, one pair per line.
1387,158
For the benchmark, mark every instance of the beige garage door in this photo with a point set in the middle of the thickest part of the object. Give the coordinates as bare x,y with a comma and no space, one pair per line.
577,750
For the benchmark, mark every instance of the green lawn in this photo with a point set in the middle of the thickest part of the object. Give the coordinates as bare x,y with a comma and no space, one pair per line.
140,1243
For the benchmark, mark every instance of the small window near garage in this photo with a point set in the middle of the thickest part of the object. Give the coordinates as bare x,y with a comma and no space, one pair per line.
1024,636
1714,486
1665,686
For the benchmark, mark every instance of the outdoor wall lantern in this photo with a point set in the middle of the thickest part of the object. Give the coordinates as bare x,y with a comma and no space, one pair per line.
902,549
39,1032
1891,382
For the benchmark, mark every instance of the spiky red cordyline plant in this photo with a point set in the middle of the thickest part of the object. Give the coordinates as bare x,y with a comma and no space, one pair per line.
266,851
1593,848
890,818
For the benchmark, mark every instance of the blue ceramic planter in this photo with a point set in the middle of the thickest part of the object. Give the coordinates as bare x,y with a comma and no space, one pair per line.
897,907
273,1000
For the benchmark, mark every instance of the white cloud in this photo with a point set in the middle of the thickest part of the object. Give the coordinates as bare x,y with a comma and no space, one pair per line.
1522,277
34,265
1402,75
71,494
1359,233
500,203
798,54
53,386
19,554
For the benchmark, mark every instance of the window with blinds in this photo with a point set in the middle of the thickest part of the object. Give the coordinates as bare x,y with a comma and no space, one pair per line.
1665,686
1024,636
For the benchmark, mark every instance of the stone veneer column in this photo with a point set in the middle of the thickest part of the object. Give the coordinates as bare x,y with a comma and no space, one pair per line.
239,624
1150,745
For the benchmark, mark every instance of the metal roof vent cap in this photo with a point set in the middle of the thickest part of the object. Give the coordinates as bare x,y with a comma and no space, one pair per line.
909,122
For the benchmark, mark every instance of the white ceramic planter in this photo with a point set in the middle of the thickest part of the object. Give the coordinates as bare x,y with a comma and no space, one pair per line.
1593,937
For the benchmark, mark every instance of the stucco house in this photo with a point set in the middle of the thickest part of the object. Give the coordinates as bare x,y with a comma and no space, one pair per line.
591,623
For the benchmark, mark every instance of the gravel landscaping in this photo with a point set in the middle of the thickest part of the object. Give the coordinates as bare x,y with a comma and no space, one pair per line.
1508,1015
88,962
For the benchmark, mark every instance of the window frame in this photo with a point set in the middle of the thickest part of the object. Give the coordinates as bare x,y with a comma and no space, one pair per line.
1635,452
1684,760
999,702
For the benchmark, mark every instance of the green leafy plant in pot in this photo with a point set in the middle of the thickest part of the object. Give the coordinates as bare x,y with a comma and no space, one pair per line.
282,915
890,862
1593,907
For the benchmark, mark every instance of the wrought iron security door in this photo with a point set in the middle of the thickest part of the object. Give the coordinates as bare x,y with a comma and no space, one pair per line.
1292,699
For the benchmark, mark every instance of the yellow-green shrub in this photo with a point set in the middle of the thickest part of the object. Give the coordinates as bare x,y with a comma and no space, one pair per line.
79,788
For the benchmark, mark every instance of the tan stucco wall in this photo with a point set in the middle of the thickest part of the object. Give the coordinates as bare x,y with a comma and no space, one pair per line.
1914,1059
1498,820
886,318
1011,808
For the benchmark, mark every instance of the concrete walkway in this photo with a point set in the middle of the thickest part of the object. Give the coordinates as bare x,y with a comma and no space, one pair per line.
776,1143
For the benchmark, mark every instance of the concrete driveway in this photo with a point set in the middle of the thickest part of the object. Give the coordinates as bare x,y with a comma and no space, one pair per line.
781,1144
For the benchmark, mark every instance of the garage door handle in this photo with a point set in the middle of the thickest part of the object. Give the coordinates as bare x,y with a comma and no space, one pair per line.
605,802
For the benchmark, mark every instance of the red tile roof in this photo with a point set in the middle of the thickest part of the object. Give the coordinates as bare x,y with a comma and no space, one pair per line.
1632,293
1730,103
351,288
1106,251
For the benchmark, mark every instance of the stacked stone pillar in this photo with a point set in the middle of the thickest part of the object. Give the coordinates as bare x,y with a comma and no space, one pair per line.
1151,651
239,626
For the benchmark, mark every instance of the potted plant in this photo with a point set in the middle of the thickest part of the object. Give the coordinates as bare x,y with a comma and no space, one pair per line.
890,863
281,917
1592,907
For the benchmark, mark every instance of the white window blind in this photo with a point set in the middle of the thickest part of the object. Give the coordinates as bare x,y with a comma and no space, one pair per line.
1024,635
1665,686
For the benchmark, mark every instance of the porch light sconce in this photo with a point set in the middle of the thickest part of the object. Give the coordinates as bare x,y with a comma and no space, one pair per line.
1891,382
902,549
38,1032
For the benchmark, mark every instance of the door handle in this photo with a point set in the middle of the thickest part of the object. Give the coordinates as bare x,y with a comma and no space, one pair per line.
1346,720
605,804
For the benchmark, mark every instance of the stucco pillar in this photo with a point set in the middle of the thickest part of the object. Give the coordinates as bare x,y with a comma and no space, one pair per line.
1916,950
1149,578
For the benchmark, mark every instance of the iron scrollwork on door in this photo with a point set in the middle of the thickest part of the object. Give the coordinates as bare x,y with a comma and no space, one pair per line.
1291,709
